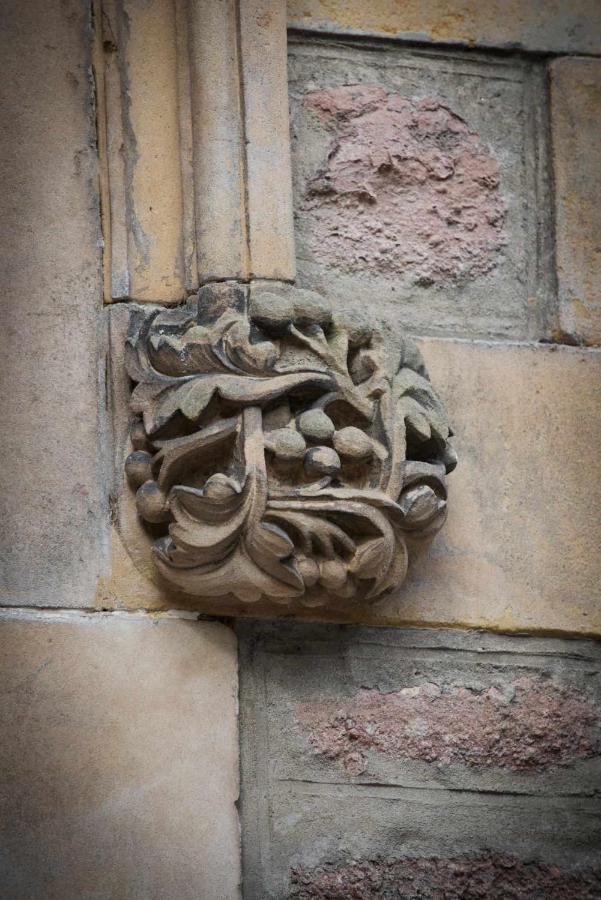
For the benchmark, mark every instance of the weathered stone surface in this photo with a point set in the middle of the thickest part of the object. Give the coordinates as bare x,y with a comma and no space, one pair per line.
413,197
53,517
518,801
386,159
239,100
528,726
575,120
546,25
216,98
263,45
119,771
147,120
493,876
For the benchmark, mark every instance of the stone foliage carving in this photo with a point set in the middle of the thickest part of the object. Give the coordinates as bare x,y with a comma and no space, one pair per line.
280,452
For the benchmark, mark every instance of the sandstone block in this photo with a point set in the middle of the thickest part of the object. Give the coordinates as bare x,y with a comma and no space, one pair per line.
54,515
520,548
119,757
576,128
545,25
143,67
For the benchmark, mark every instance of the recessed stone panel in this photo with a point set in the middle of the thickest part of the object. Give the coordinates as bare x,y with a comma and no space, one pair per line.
412,808
419,186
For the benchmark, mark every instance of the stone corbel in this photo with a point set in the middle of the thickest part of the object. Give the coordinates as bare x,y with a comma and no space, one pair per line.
279,452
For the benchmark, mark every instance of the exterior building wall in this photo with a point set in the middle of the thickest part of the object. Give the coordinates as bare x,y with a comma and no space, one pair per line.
145,153
119,773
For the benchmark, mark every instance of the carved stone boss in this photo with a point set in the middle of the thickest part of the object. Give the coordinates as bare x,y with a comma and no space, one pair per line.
280,452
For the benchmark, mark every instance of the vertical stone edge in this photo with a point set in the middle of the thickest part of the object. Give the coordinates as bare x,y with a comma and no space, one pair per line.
195,134
55,528
575,90
542,279
219,156
110,117
186,142
253,782
263,39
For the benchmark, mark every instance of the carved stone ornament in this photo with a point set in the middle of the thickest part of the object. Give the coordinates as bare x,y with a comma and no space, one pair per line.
280,452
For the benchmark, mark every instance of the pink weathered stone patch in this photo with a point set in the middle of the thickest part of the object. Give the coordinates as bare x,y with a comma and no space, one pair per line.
525,727
491,876
406,189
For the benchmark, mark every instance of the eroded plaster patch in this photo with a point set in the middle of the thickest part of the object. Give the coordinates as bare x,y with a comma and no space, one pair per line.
407,188
491,876
526,726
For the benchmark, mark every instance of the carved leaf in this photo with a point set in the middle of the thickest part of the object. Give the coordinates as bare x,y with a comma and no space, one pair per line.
396,572
271,549
373,558
159,402
316,534
419,404
176,455
224,346
238,574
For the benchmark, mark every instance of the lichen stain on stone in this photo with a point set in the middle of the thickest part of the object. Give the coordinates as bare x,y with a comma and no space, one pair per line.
489,876
525,727
407,189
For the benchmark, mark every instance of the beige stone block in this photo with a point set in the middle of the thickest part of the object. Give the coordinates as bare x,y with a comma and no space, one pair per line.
217,127
239,98
576,133
521,547
53,519
546,25
119,769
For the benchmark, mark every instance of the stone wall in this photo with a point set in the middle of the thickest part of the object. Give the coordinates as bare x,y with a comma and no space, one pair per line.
452,193
119,773
444,183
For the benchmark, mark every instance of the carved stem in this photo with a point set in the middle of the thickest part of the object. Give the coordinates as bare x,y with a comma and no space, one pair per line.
254,458
391,481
